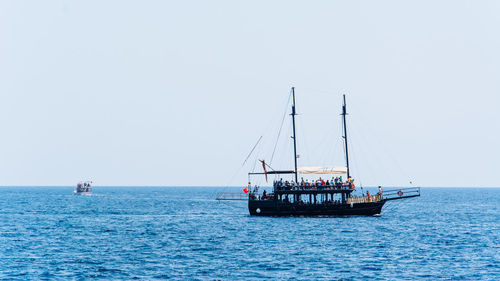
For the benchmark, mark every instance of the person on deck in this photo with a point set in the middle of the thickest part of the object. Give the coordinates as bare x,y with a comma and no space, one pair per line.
350,182
368,196
264,194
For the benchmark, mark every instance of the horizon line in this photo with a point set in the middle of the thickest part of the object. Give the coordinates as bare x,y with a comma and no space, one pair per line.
234,186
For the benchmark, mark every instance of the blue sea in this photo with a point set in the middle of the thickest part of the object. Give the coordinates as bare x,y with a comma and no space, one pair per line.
156,233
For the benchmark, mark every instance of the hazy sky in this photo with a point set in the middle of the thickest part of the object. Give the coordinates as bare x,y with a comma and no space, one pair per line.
178,92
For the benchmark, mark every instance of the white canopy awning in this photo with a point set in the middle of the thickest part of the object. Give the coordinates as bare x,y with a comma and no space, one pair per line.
322,170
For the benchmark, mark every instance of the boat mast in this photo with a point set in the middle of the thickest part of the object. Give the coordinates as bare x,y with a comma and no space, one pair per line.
344,113
293,137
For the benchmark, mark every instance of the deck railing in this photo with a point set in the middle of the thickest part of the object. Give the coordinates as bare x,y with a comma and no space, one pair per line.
387,195
408,192
363,199
231,196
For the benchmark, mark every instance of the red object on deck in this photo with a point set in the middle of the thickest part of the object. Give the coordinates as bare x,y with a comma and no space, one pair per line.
245,190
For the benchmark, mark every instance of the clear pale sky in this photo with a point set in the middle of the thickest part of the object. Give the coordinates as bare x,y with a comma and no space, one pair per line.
178,92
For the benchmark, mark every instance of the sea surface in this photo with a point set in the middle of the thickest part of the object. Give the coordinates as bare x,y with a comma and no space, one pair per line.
149,233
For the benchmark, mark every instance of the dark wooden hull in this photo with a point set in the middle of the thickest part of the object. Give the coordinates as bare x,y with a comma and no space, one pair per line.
275,208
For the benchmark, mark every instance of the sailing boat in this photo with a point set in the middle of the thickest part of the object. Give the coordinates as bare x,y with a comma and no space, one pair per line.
320,198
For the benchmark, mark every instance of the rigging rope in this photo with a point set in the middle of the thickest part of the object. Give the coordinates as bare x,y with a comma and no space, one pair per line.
355,162
281,126
249,154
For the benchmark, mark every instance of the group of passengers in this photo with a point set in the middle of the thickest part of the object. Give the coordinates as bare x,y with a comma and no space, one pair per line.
302,203
83,186
335,182
255,194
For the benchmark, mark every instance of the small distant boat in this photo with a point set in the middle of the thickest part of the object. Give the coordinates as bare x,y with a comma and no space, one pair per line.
84,188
